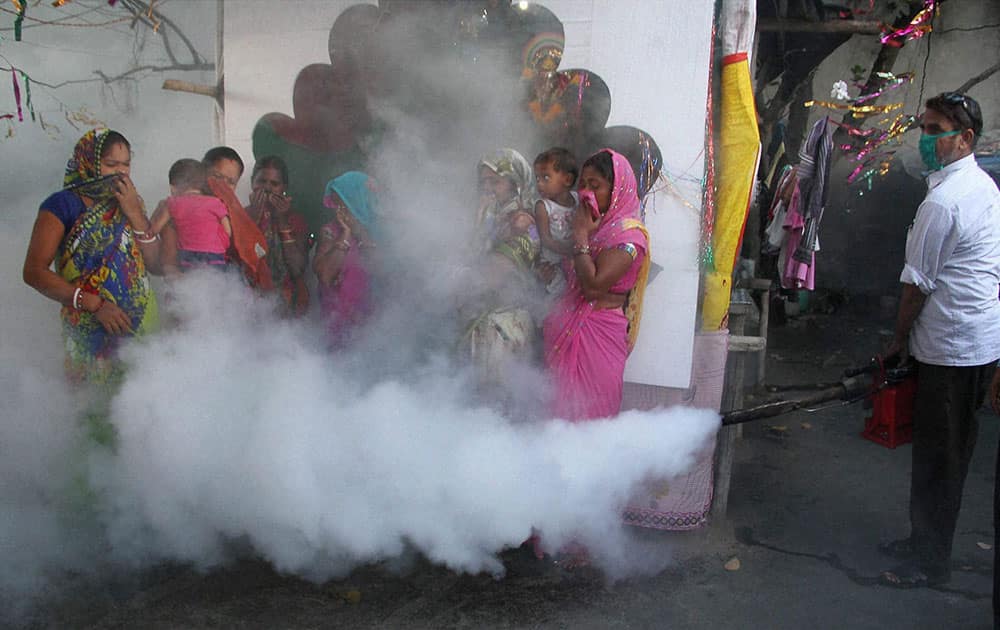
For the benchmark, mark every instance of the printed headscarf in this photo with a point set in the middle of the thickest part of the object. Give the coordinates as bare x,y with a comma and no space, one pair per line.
83,170
511,165
357,191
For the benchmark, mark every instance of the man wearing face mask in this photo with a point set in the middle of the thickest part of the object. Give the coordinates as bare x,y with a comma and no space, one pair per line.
949,320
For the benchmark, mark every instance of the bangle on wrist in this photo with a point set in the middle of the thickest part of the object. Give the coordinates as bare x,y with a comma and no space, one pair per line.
77,302
344,245
581,249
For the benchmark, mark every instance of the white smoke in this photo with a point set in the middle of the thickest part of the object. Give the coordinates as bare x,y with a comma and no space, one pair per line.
239,426
238,430
41,454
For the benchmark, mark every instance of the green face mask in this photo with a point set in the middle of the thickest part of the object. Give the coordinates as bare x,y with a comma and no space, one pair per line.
928,149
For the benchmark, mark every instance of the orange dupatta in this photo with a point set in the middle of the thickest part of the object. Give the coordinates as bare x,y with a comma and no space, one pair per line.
248,243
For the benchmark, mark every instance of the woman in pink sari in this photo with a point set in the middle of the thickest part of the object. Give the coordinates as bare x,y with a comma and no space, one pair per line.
343,260
591,330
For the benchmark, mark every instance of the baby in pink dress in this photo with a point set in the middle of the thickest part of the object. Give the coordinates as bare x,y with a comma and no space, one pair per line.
201,220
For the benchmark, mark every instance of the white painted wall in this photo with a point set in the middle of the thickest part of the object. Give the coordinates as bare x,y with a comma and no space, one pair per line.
265,44
654,57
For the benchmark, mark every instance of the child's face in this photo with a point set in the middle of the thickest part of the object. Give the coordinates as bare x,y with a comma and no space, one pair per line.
550,182
591,179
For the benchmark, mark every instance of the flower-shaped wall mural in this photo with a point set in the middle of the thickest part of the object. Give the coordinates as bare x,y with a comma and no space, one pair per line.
403,53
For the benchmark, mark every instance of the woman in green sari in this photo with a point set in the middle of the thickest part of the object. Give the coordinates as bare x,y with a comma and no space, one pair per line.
96,231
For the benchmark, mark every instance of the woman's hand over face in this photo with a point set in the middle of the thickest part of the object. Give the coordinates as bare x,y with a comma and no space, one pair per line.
258,198
346,223
282,204
584,223
128,197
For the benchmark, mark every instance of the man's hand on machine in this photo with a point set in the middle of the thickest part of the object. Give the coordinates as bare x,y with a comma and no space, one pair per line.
897,349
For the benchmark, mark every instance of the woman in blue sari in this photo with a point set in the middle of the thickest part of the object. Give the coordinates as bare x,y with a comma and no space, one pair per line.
96,231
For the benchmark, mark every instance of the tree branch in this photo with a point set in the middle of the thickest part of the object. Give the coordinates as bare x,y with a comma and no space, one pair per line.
152,68
142,13
193,88
104,78
867,27
979,78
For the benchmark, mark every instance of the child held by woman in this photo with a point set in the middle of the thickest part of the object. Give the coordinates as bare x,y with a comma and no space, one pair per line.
202,222
555,174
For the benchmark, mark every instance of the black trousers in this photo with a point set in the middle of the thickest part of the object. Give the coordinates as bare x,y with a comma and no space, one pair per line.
996,544
944,437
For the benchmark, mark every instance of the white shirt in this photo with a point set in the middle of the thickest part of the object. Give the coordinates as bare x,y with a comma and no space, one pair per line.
953,257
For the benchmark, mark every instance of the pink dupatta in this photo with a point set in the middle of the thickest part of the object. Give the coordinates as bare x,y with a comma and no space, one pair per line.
586,348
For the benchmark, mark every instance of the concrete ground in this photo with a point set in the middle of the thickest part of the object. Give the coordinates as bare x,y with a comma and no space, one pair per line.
810,500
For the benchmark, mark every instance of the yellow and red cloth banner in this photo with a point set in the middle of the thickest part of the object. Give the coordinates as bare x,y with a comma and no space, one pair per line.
738,157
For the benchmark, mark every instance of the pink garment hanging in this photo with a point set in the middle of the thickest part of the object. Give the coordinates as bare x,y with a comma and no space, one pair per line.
795,274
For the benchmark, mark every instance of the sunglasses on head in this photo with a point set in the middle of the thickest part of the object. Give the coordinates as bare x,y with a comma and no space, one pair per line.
956,98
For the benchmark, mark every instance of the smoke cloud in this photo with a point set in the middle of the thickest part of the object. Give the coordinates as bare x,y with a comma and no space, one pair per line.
239,432
235,425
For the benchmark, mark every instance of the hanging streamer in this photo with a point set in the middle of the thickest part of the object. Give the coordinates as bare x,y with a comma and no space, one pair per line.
27,95
891,82
872,156
17,95
919,26
853,12
858,111
648,170
22,8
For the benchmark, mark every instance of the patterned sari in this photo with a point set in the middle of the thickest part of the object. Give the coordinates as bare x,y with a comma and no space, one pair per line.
290,285
99,254
586,348
347,302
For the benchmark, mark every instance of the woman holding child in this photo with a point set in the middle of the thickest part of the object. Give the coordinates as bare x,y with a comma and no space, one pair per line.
502,331
96,231
507,186
591,330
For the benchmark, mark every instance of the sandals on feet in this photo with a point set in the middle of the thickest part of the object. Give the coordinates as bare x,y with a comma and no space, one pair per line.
911,576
